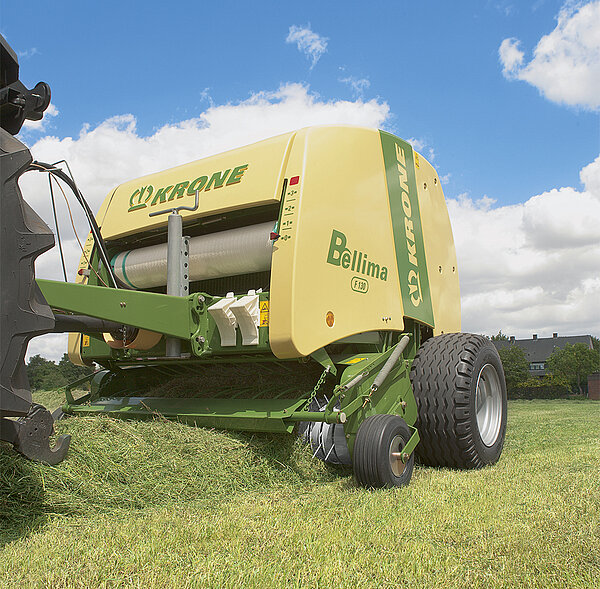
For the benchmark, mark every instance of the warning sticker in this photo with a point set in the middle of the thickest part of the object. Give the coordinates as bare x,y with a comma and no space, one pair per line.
264,313
355,360
85,341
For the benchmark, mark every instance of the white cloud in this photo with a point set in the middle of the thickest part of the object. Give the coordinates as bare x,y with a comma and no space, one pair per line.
510,56
566,62
51,346
358,85
113,152
532,267
308,42
42,125
526,268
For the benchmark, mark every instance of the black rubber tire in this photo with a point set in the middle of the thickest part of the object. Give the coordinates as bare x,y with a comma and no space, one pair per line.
444,377
371,458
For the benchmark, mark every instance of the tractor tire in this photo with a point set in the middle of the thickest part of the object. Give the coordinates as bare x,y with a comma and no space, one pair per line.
459,386
377,449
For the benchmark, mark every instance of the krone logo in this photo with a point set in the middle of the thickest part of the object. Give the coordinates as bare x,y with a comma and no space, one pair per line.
413,279
147,195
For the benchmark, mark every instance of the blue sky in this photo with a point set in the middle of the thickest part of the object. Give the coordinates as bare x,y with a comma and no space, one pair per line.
435,63
509,132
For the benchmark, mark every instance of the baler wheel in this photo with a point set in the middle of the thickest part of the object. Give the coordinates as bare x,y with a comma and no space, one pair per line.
378,458
459,386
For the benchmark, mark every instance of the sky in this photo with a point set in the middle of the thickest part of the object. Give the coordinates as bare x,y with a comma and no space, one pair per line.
503,98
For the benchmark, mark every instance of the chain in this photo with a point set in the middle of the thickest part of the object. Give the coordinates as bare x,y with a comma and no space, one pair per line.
315,390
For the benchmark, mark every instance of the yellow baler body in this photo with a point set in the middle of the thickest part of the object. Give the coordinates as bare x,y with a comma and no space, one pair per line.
348,259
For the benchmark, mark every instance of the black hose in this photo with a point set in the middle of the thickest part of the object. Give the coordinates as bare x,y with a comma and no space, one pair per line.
98,239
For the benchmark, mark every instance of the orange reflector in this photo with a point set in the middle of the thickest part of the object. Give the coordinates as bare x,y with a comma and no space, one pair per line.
329,319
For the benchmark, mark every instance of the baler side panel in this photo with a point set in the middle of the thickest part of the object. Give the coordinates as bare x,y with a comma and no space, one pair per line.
327,259
439,248
235,180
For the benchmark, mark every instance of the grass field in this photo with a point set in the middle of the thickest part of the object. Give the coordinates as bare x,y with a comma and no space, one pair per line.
160,504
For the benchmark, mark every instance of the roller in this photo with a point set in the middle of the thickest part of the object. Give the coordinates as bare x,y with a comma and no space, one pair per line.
227,253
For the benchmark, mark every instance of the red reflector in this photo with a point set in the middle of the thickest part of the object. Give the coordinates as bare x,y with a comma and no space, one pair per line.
294,180
274,236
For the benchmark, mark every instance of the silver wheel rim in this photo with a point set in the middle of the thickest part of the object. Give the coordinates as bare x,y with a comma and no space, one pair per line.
396,455
488,404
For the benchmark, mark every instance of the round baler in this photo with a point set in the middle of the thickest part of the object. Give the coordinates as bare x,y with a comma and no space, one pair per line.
304,284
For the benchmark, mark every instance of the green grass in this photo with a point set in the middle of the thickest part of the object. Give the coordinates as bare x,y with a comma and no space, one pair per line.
157,504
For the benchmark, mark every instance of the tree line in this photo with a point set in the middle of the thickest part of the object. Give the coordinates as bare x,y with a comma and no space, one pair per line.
566,368
46,375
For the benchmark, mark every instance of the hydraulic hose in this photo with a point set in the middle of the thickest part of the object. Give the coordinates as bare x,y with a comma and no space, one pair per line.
98,239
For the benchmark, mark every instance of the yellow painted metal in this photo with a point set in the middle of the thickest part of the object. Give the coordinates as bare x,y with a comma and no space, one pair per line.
336,199
75,339
439,249
248,177
341,187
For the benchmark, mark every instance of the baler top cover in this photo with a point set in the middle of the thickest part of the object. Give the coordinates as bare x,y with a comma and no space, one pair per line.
364,237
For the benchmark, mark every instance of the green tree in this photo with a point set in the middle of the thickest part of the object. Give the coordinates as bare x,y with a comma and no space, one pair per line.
500,337
44,374
70,371
574,363
515,365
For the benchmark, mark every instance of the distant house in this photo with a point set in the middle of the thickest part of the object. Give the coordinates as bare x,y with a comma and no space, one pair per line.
537,349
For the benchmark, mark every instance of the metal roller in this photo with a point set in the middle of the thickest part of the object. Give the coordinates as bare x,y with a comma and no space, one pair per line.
227,253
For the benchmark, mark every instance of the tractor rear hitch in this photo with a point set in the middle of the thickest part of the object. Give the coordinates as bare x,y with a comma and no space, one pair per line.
30,436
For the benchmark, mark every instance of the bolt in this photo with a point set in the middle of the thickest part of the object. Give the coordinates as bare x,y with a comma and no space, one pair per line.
123,304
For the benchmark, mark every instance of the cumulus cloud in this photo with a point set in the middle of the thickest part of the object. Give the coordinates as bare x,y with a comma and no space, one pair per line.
511,56
533,267
102,157
42,125
566,63
530,267
308,42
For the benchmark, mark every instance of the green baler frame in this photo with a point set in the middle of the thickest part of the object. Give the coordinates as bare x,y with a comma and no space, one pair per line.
186,318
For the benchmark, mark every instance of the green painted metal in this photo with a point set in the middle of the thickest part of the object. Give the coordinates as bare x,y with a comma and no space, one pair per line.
263,415
225,409
316,416
322,357
155,312
412,442
395,395
188,319
398,159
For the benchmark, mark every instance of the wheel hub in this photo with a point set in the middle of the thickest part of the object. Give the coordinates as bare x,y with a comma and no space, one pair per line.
398,459
488,404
